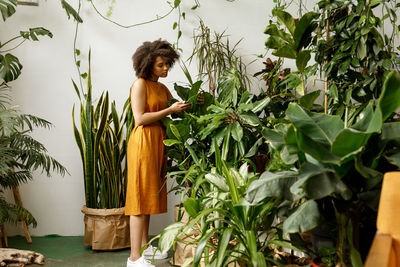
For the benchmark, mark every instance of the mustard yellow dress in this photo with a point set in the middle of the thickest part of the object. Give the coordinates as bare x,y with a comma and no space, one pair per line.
146,188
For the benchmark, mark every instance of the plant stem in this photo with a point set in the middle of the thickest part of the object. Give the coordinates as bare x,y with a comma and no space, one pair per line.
326,62
75,37
133,25
13,47
12,39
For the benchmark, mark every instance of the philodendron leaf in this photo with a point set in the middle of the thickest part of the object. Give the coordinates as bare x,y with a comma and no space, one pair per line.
389,101
271,185
305,218
302,59
10,68
182,92
34,32
168,235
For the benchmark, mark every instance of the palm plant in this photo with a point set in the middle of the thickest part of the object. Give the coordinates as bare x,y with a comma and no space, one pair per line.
20,154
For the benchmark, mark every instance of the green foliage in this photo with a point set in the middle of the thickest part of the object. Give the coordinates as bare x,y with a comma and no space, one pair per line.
335,164
20,155
71,11
7,8
102,148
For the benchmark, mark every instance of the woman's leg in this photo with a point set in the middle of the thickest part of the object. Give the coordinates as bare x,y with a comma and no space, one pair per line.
145,237
137,226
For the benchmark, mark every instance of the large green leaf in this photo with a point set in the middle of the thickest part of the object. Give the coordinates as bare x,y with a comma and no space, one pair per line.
271,185
370,122
7,8
320,128
192,206
273,137
319,151
34,32
285,51
286,19
391,132
307,101
305,218
389,100
302,59
183,92
10,67
349,142
273,31
317,181
304,29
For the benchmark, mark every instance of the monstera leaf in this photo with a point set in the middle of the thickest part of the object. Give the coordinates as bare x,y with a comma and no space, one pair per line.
34,32
7,8
10,67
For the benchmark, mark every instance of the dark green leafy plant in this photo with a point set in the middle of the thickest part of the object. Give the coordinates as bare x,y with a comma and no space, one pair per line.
339,167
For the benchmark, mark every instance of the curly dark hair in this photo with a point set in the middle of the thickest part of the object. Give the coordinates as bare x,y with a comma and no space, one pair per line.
146,54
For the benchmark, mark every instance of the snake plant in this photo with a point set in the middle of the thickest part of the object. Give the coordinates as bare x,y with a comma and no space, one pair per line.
102,145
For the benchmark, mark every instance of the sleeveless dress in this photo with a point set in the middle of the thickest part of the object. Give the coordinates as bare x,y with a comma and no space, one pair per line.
146,188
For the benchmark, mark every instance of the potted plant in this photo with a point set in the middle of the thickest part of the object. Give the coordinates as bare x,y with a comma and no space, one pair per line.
102,147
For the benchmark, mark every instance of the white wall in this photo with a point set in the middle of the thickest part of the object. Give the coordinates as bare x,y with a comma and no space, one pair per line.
45,89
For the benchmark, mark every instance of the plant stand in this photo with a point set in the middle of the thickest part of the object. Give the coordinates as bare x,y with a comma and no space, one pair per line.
106,229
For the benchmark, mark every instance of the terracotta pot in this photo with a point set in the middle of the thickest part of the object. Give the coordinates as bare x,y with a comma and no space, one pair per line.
106,229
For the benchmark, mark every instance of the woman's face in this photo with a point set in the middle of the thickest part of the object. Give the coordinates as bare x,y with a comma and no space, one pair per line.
160,67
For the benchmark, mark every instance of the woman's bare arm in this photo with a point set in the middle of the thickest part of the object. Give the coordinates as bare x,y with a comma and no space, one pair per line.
138,97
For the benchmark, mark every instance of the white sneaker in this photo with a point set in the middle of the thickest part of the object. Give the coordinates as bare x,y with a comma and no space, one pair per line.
141,262
153,253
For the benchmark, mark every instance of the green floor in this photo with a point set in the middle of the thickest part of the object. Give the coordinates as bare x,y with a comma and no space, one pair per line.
63,251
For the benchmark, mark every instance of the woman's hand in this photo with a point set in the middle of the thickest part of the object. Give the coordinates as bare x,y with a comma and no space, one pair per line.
180,106
200,98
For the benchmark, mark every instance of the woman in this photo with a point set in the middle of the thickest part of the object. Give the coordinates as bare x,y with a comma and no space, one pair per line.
146,190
